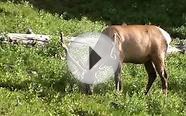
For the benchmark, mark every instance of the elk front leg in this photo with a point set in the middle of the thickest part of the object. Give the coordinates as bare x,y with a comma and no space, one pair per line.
88,89
151,75
117,78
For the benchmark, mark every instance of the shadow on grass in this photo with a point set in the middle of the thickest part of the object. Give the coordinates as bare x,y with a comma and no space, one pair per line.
135,87
13,87
161,12
42,87
64,85
178,85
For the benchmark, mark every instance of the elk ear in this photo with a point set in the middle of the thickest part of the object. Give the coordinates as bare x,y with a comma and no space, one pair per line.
124,24
62,42
116,38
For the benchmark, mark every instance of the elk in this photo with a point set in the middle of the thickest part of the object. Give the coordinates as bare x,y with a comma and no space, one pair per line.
141,44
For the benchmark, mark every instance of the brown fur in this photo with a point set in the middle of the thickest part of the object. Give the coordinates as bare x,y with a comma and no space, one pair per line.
140,44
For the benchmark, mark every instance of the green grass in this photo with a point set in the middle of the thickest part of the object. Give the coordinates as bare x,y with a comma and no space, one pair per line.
34,81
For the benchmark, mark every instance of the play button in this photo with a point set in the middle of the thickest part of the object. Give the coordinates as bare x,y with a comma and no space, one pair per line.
92,58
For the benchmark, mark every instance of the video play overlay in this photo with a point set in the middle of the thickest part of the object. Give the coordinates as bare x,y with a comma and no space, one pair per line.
92,58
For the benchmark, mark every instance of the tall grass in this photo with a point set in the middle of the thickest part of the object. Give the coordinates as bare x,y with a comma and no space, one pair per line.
35,81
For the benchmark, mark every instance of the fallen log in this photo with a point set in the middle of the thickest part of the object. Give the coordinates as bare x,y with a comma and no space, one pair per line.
182,46
29,39
179,47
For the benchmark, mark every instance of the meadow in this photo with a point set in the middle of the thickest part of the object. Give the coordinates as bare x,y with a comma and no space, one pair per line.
35,81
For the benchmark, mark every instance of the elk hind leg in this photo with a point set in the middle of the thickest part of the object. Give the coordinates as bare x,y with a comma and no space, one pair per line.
160,68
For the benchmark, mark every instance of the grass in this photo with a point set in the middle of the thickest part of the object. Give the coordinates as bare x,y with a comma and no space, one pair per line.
35,81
